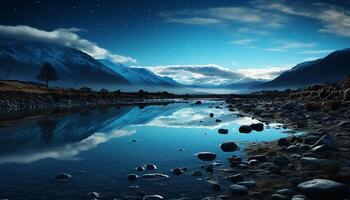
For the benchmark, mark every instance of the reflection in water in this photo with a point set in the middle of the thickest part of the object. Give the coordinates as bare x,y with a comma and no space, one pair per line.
65,136
64,152
99,142
47,127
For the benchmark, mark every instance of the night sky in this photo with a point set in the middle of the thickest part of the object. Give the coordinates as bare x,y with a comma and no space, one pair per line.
234,35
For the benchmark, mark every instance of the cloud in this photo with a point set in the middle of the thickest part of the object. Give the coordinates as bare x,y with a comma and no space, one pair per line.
326,51
242,42
223,16
63,37
334,19
64,152
212,74
267,73
290,45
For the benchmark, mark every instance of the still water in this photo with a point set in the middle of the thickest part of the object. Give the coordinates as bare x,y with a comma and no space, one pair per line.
99,148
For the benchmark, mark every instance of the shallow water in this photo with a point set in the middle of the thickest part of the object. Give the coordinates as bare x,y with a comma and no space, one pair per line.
100,148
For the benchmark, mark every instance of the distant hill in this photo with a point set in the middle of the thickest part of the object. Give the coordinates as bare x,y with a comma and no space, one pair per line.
76,69
330,69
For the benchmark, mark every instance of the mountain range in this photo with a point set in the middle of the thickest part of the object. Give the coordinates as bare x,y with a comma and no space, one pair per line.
330,69
77,69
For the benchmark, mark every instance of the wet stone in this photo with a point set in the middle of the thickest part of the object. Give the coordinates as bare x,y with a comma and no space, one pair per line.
223,131
206,156
245,129
228,146
151,167
63,177
132,177
152,197
177,171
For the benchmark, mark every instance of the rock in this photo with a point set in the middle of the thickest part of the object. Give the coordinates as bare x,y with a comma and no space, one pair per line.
325,140
260,158
236,190
317,163
152,197
253,162
228,146
63,177
155,176
132,177
222,131
151,167
236,178
245,129
283,142
299,197
177,171
346,95
218,120
344,124
216,187
286,192
243,166
323,189
140,169
211,115
198,102
94,195
279,197
289,106
209,168
273,169
292,149
248,184
281,161
320,148
206,156
197,173
257,127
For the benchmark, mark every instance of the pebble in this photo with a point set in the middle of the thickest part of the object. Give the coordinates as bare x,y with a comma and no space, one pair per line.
223,131
245,129
152,197
236,190
177,171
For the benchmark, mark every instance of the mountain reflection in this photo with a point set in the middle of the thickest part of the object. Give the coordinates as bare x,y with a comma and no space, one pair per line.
64,137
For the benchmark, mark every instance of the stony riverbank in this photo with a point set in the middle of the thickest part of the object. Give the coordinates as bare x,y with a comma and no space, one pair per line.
315,165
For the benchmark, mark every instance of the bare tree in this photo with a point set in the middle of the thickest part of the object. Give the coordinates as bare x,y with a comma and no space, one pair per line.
47,73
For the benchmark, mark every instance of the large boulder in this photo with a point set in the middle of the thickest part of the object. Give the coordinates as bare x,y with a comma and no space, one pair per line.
323,189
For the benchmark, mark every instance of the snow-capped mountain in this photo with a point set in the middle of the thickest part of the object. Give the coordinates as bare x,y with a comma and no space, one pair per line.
142,77
76,69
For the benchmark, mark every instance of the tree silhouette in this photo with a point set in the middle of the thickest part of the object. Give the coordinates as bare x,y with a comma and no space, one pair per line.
47,73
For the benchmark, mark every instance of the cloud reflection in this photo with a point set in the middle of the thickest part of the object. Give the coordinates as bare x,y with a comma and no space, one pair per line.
65,152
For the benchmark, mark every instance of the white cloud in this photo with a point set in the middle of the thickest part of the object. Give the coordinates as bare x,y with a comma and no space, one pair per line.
242,42
267,73
290,45
212,74
64,37
224,15
334,19
326,51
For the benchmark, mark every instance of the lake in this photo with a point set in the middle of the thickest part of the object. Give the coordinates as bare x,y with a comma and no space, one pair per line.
100,148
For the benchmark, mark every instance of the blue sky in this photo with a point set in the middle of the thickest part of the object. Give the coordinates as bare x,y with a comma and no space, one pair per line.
232,36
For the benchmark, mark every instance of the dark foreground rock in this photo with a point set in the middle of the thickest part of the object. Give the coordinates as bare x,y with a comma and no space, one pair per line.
323,189
206,156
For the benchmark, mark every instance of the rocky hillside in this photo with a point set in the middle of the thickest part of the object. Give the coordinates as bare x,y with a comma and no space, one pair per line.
331,69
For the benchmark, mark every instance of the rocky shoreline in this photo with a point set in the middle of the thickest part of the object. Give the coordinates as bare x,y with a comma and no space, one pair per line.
315,165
